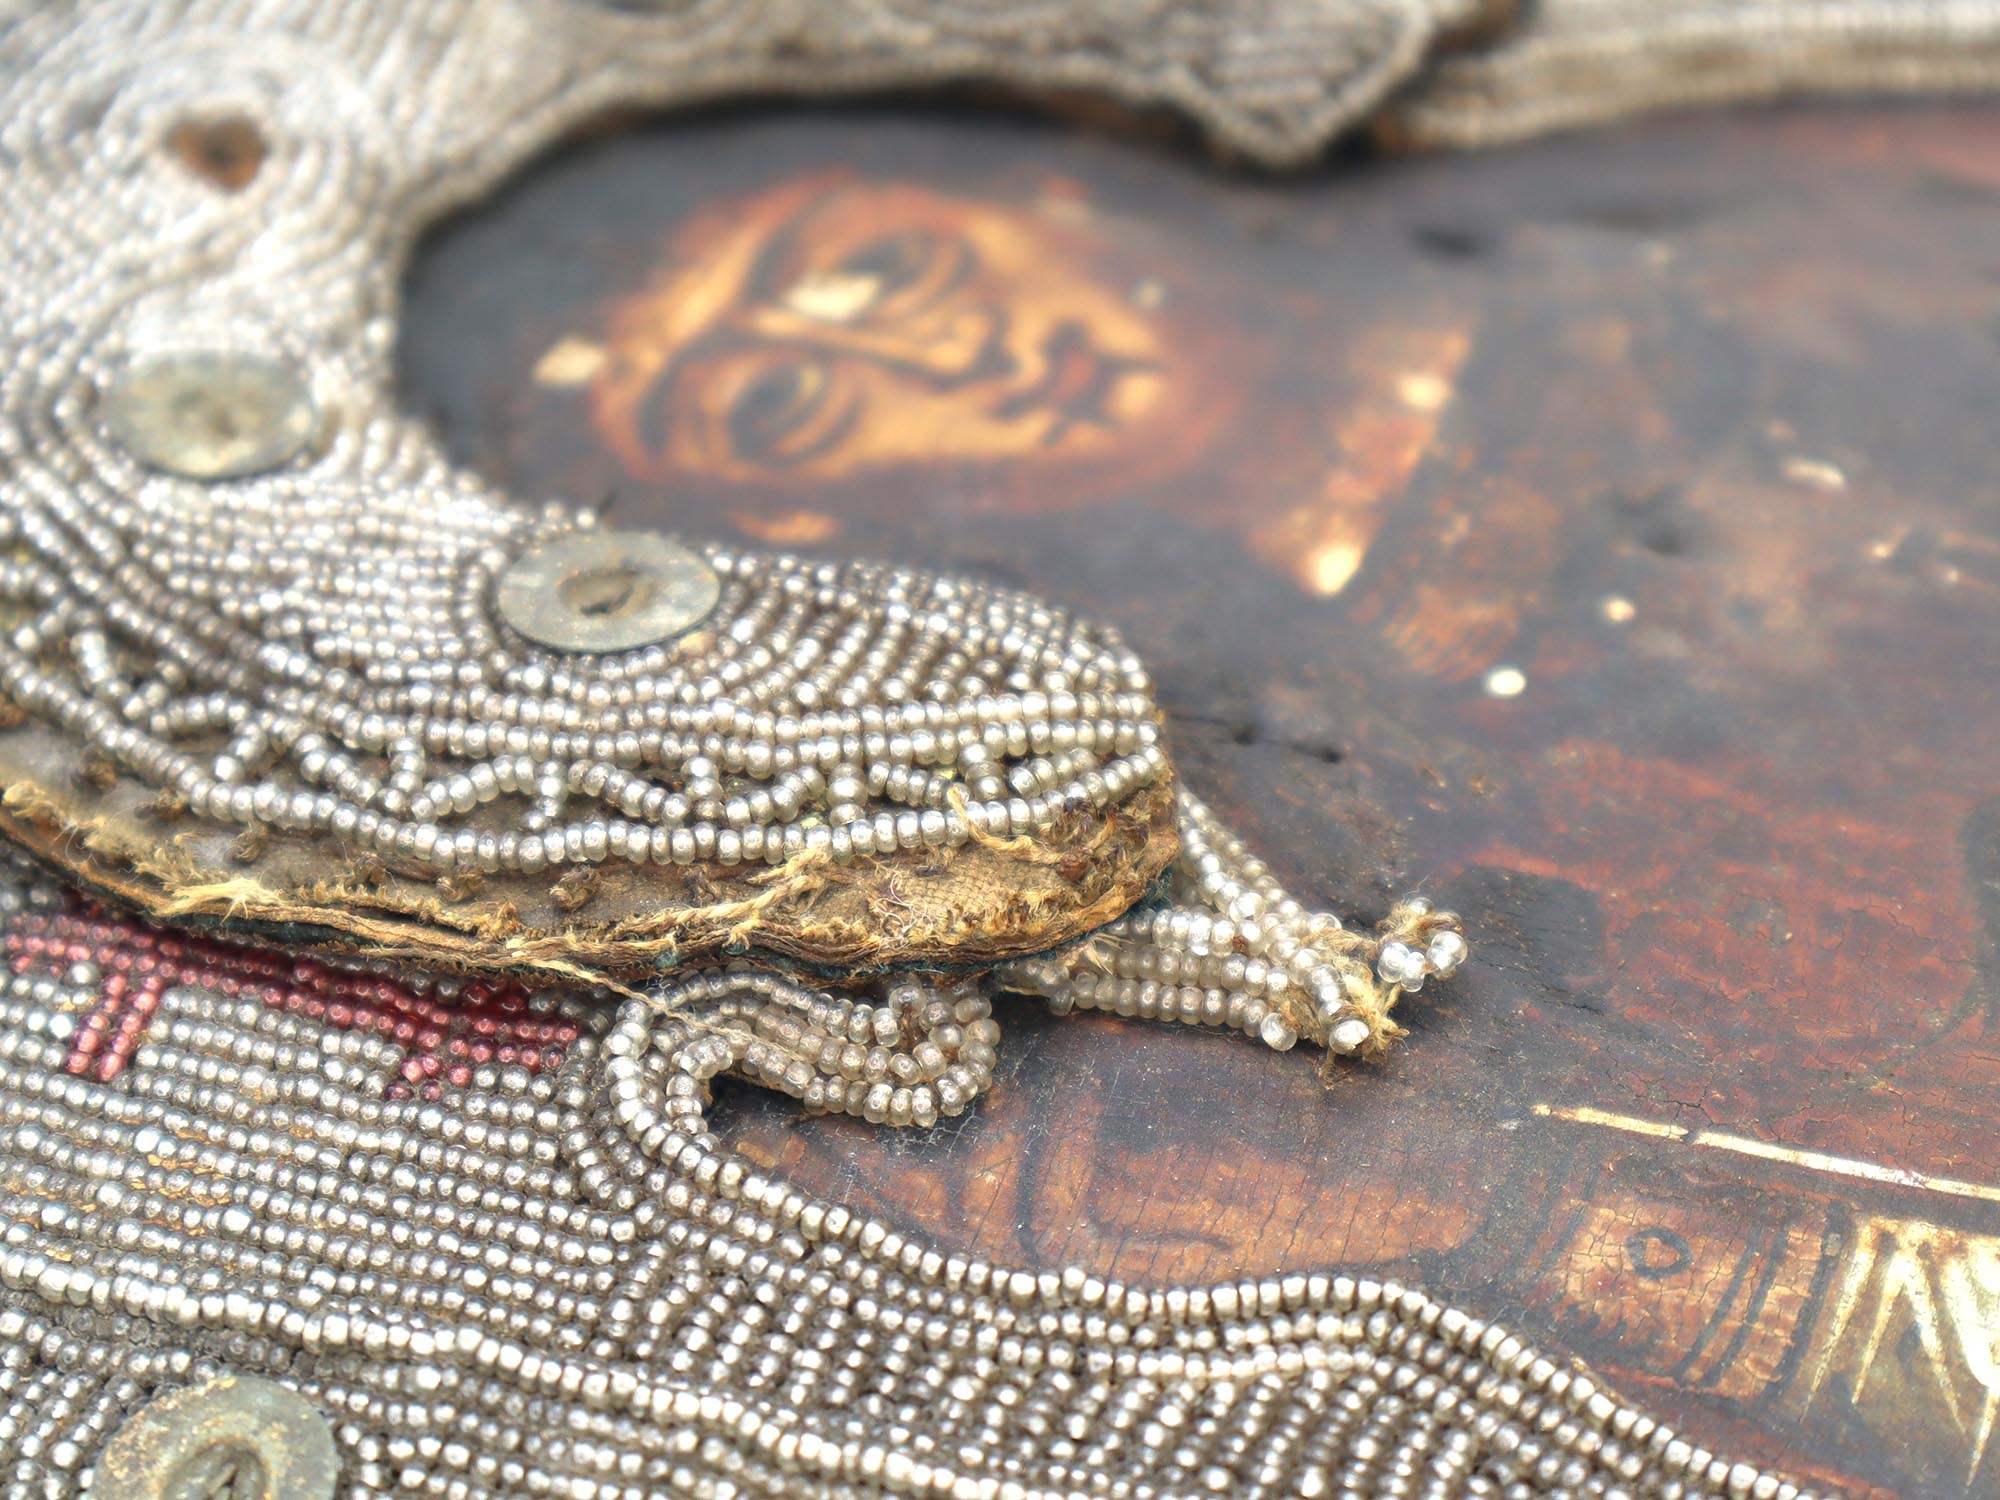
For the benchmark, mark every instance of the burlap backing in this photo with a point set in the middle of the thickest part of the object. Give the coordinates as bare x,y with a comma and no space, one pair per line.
947,908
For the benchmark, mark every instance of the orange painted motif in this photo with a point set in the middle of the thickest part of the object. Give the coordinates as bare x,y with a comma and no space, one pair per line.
826,328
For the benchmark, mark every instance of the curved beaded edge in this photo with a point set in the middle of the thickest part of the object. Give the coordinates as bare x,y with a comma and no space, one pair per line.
568,1250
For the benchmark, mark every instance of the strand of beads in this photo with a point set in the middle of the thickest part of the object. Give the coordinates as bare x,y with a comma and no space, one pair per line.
1230,947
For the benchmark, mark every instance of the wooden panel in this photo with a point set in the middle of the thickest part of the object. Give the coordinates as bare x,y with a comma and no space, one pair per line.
1601,536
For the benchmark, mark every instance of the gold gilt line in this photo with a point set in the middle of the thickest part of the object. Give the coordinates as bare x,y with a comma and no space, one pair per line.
1743,1145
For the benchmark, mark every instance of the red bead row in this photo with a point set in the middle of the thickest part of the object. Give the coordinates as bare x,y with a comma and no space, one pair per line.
445,1038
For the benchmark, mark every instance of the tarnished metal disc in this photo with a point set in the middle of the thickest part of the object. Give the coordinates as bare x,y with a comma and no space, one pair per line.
210,414
236,1437
600,591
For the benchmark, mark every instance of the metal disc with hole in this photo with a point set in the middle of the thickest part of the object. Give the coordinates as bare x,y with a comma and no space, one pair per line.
235,1436
598,591
210,414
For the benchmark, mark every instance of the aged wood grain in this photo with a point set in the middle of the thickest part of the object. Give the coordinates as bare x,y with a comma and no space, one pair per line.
1601,535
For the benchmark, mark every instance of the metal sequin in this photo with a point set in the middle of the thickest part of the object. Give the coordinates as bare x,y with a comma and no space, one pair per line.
210,414
235,1437
599,591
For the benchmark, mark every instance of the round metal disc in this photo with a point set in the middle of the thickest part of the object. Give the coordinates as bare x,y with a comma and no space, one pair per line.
234,1436
606,591
210,414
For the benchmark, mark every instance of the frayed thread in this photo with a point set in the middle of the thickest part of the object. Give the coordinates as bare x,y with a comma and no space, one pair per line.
1367,995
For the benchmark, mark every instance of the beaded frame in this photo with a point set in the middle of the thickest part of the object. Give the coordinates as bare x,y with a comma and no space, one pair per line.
486,1229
